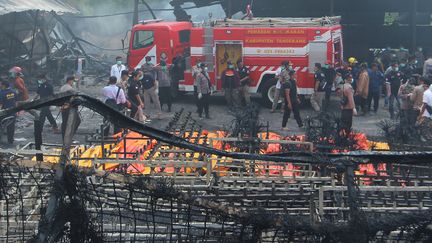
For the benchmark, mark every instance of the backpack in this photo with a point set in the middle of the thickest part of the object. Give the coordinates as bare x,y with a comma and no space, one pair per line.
113,102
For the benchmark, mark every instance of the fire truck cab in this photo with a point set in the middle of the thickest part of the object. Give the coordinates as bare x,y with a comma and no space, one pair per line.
262,44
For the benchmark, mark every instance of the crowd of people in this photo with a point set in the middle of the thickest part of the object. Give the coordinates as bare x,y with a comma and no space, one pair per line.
404,84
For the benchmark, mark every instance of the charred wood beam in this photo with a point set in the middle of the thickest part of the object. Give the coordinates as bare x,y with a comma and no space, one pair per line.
48,232
121,120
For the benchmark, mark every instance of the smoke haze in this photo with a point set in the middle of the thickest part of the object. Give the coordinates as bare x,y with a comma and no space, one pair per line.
107,32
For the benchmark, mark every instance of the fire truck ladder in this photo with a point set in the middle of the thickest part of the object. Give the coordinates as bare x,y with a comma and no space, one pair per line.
275,22
208,47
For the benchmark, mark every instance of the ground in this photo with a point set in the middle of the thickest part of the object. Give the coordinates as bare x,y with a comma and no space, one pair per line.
220,119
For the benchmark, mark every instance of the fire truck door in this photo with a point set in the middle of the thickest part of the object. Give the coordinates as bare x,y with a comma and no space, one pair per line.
226,52
317,54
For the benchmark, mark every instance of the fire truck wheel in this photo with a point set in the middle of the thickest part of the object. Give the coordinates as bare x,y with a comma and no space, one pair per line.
268,92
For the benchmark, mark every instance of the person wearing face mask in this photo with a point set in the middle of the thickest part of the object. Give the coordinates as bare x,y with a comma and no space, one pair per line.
16,77
148,67
45,89
204,91
403,67
230,83
164,80
347,106
117,68
394,80
319,88
412,67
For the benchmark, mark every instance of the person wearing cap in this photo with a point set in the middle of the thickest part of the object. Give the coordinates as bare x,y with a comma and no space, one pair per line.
117,68
164,80
319,88
347,106
292,102
230,83
244,73
204,91
8,99
16,77
45,89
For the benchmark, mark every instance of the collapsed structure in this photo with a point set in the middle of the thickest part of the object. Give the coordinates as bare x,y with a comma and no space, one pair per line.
185,184
35,37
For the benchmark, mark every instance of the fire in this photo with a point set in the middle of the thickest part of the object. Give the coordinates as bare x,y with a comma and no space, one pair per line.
147,150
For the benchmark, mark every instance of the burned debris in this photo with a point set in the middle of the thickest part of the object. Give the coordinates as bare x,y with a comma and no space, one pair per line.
40,41
184,184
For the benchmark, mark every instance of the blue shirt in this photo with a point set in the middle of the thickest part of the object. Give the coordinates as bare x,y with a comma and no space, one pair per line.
376,80
8,98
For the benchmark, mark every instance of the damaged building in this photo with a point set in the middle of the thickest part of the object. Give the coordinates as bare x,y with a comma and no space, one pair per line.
35,36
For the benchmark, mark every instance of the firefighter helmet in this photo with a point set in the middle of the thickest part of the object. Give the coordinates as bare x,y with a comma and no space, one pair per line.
15,70
352,60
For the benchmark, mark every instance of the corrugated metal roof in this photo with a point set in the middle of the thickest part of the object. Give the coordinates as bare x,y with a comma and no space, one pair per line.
9,6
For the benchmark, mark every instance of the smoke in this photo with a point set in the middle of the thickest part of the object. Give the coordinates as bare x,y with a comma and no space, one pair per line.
107,32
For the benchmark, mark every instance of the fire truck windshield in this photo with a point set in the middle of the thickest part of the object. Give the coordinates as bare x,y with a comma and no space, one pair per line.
142,39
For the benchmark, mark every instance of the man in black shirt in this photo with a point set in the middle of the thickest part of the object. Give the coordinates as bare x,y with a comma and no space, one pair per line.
320,85
45,89
394,80
150,88
292,102
134,93
330,76
244,72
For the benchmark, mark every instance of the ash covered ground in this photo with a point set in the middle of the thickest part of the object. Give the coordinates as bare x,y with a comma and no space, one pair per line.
221,119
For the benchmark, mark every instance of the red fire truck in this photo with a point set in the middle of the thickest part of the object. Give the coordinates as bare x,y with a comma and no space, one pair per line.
262,44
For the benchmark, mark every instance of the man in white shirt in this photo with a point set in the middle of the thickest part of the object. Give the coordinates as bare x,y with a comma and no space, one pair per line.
114,97
113,92
117,68
425,119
